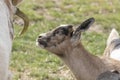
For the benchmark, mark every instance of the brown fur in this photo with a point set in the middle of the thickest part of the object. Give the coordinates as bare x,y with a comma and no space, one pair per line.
68,48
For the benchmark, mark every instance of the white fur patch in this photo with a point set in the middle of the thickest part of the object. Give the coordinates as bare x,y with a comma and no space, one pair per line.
113,35
5,41
115,54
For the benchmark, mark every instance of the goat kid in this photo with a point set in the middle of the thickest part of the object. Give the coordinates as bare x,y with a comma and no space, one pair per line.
113,51
113,45
7,10
64,42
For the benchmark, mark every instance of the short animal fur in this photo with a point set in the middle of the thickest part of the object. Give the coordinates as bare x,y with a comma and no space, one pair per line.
65,42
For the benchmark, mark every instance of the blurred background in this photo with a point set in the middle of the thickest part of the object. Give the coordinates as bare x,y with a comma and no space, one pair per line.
29,62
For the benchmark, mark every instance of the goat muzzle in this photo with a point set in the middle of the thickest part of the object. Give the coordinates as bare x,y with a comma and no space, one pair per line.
41,43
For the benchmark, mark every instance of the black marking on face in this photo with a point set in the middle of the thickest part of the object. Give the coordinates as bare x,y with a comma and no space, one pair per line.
61,30
48,39
71,34
115,71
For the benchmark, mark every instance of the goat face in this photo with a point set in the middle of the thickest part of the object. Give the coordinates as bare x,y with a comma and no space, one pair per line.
62,37
55,37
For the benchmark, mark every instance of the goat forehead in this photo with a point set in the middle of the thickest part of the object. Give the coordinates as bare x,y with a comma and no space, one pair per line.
43,34
59,28
63,25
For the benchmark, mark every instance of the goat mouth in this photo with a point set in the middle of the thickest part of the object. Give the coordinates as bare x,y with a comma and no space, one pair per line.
41,43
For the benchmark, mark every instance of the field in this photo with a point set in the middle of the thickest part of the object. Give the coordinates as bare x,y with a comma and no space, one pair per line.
29,62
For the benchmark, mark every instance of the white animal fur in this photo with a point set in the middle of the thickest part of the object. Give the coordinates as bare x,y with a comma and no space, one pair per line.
5,41
113,35
6,33
113,45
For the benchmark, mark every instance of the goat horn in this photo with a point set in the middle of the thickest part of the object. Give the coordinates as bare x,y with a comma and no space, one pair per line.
25,19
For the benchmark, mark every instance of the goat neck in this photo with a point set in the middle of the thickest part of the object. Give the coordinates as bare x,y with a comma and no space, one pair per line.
89,64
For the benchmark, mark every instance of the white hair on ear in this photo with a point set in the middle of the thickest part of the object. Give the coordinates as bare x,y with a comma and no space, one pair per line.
113,35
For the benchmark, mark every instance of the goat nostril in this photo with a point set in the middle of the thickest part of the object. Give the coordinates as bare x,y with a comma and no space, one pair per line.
39,36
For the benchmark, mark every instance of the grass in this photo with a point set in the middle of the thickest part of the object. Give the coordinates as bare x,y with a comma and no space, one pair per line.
28,62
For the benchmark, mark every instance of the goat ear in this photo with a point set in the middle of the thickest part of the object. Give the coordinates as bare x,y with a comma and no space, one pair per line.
113,36
15,2
85,25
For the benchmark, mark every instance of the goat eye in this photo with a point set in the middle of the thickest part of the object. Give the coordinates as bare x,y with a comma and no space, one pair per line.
59,32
